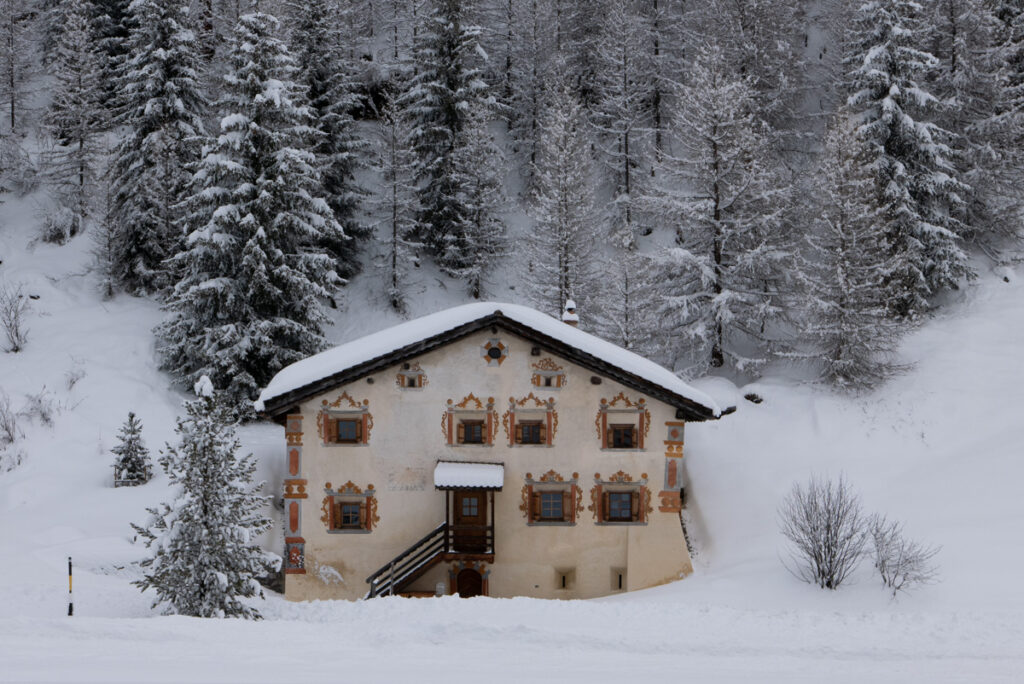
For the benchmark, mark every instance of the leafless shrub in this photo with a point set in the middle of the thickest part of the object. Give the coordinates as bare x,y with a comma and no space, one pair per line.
9,432
72,376
60,225
14,307
42,406
902,563
827,528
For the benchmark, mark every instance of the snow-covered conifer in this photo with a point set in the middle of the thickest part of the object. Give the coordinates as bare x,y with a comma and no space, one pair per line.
17,57
247,302
393,205
131,464
163,121
725,282
622,116
916,182
76,117
441,96
852,337
325,69
479,239
561,248
206,557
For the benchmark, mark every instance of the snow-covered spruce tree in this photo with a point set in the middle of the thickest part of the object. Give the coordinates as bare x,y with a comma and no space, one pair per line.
625,306
478,173
528,81
561,248
131,463
76,118
163,121
252,273
916,183
205,555
1003,131
393,205
327,72
438,102
966,81
725,282
17,58
760,39
852,337
112,24
622,116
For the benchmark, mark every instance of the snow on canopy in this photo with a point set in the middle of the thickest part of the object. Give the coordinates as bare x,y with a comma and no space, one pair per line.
452,474
364,349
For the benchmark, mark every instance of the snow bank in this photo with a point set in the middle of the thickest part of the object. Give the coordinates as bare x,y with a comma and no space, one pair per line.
381,343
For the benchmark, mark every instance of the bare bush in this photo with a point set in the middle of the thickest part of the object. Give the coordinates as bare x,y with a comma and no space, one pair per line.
60,225
827,528
72,376
902,563
41,405
9,432
14,308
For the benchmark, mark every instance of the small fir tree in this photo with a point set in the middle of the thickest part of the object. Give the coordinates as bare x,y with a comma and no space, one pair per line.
205,555
132,465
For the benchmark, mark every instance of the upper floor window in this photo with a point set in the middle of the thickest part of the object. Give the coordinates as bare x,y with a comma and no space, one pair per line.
622,436
471,421
530,421
471,432
620,506
530,432
622,423
348,430
345,421
551,506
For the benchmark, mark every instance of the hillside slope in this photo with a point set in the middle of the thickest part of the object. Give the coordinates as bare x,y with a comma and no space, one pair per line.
937,448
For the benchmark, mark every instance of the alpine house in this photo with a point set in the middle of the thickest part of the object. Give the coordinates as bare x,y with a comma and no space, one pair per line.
488,449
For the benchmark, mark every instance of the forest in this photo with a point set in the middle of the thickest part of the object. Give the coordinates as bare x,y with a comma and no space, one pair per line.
719,184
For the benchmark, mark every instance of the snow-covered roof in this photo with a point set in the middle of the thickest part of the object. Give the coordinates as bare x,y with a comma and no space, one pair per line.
453,475
306,377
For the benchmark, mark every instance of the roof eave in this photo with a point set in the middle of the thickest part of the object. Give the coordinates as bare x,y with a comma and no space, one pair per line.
685,408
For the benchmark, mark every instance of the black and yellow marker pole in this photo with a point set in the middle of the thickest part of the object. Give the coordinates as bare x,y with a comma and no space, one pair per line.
71,597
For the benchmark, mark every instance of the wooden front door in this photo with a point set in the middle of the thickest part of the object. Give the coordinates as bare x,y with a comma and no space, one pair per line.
469,583
470,521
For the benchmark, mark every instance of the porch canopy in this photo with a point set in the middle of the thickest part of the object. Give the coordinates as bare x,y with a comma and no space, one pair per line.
461,475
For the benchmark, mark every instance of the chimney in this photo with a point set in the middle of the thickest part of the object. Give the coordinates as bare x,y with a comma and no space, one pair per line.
569,315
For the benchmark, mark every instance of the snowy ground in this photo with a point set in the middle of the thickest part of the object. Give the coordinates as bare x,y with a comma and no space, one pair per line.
939,448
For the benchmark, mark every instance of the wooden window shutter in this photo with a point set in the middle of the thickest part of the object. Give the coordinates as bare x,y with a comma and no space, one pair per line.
609,438
572,503
519,433
359,429
558,380
634,506
566,503
330,429
534,506
605,506
363,522
461,437
543,433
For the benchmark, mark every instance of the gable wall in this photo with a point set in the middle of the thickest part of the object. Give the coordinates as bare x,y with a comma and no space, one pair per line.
407,439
